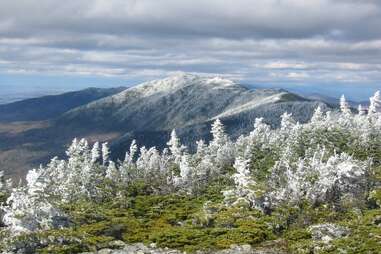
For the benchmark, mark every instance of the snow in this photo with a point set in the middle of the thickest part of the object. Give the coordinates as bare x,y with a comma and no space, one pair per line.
250,105
171,84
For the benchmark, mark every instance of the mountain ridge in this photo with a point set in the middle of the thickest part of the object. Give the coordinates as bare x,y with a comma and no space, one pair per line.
49,106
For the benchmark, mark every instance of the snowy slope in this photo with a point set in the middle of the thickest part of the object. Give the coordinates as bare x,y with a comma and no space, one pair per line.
173,102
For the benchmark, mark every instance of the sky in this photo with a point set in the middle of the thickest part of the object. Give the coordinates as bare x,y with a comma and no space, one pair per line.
324,45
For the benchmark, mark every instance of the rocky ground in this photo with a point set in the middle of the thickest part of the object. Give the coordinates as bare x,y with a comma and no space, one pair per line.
321,233
139,248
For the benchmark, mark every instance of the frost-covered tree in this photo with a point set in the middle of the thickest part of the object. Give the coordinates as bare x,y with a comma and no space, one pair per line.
24,213
129,158
261,131
105,153
112,172
344,106
201,148
318,179
2,182
5,190
318,116
243,192
287,122
128,169
185,179
95,153
218,132
221,149
175,147
5,186
27,209
375,103
361,110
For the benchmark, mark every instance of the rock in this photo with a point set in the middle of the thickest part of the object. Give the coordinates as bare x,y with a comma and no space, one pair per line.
105,251
327,232
377,220
140,248
61,222
117,244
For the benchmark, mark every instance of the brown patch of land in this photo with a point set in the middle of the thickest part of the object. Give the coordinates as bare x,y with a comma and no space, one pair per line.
102,137
16,162
26,145
14,128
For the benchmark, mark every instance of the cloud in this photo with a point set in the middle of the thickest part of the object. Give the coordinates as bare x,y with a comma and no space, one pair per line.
266,41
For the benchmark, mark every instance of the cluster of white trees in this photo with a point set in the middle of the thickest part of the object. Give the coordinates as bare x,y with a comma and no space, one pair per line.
309,165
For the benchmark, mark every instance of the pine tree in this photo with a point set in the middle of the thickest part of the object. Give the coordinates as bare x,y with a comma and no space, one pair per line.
243,192
218,132
175,147
344,106
95,153
287,122
361,110
375,103
318,116
105,153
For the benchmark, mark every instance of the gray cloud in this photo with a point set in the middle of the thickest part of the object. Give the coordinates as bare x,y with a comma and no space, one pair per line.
261,41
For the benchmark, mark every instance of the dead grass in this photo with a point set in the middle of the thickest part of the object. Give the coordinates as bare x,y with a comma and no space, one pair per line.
14,128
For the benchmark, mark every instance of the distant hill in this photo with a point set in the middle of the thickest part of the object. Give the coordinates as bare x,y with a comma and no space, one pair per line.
51,106
149,111
333,100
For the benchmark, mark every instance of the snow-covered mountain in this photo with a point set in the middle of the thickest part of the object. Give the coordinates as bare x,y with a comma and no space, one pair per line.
187,103
148,112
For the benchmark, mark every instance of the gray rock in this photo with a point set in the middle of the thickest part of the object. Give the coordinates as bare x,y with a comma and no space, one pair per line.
105,251
327,232
140,248
117,244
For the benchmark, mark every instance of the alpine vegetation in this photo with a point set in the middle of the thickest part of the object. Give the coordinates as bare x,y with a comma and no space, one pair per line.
296,186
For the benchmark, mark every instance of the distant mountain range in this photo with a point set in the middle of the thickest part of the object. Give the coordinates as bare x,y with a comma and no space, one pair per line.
51,106
333,100
146,112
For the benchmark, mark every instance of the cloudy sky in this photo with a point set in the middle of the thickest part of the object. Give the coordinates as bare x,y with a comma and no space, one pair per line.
330,44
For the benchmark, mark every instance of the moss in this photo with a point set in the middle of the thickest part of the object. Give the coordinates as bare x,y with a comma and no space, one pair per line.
3,198
298,234
184,238
262,161
168,220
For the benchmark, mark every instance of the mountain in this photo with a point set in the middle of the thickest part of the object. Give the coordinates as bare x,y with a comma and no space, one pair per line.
187,103
149,111
333,100
47,107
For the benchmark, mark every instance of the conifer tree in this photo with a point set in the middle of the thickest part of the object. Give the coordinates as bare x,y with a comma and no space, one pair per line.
105,153
175,147
375,103
344,106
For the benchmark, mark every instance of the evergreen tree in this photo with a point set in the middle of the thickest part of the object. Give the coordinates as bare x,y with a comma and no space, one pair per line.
375,103
344,106
175,147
